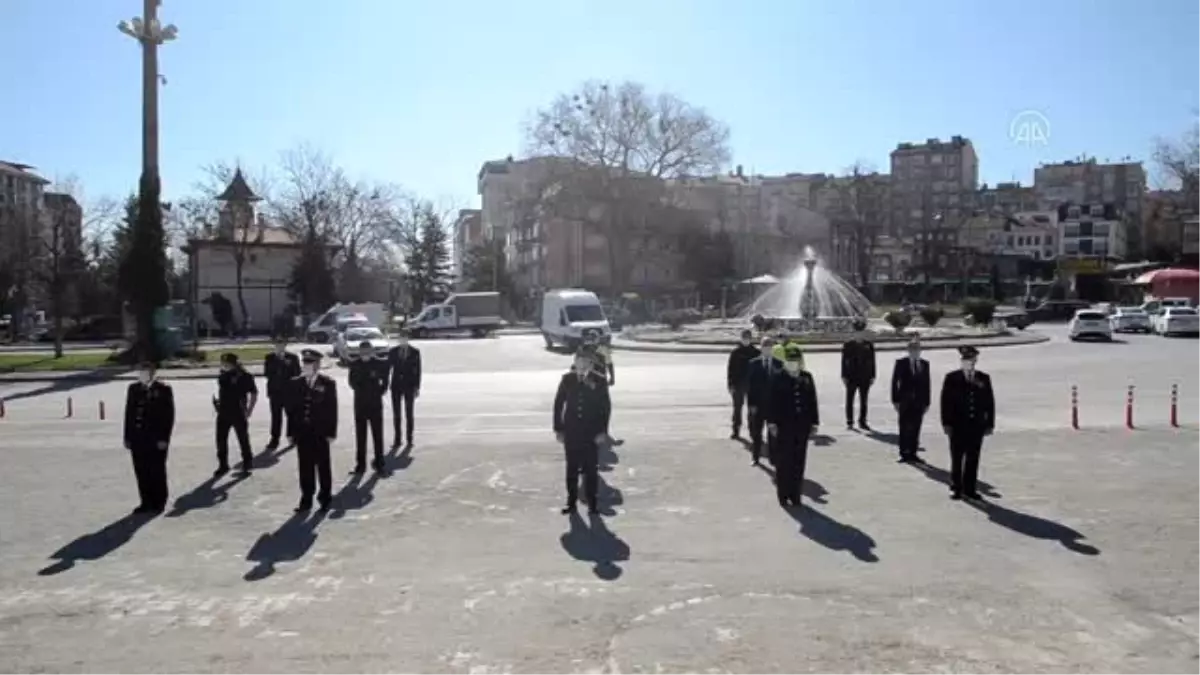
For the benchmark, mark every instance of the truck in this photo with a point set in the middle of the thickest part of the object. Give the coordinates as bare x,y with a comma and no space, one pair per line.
478,313
325,328
567,313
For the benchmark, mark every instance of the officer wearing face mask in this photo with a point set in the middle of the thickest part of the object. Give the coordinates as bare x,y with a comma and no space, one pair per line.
279,367
759,374
792,418
369,380
404,363
581,410
236,396
149,422
968,414
312,420
858,373
735,377
910,398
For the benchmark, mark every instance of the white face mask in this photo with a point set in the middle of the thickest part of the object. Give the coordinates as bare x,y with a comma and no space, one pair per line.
279,349
225,367
401,342
792,367
145,377
311,369
968,366
582,367
745,342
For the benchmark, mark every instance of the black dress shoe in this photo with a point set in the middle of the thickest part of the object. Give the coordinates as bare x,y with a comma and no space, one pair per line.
303,506
975,496
273,446
378,464
325,505
245,472
358,469
221,471
956,496
143,509
568,509
862,424
733,436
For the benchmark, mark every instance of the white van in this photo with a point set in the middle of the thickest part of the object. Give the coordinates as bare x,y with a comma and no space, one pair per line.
567,313
325,328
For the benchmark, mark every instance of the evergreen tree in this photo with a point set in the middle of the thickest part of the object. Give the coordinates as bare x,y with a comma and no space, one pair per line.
142,276
428,259
312,284
485,269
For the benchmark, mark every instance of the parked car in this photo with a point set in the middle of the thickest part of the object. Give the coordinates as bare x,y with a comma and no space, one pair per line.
1058,310
1014,318
1177,321
346,344
1130,320
1089,323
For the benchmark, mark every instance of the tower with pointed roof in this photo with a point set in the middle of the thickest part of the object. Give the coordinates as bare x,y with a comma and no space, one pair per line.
237,207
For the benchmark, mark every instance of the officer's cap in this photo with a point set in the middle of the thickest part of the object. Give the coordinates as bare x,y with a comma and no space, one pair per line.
793,352
229,357
310,356
147,364
968,352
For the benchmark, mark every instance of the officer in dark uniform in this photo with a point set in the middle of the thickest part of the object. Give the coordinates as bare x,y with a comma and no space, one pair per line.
910,398
968,414
236,396
858,373
735,377
369,380
601,356
404,363
759,373
581,411
279,367
149,422
312,419
792,418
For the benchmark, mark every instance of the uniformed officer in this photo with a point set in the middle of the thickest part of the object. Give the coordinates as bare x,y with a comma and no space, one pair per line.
735,377
968,414
601,355
236,396
404,363
858,373
312,419
369,380
910,398
581,410
149,422
279,367
758,392
792,418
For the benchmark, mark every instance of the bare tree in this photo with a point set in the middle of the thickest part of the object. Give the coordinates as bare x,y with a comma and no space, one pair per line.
857,215
616,146
1178,163
19,233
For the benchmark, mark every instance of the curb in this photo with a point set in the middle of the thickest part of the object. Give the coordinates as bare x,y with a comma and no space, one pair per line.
115,374
631,345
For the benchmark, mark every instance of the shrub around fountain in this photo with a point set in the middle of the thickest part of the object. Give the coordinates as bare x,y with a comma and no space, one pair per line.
931,315
981,311
898,319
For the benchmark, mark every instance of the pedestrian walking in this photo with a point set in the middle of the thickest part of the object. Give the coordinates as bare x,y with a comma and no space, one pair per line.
149,423
735,378
581,411
312,418
404,364
858,373
792,419
234,402
369,380
910,398
968,414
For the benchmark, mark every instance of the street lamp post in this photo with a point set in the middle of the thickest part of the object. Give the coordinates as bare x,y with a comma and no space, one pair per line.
150,34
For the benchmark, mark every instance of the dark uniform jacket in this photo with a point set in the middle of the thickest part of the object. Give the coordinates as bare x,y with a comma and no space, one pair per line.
581,406
910,390
405,365
793,403
968,406
858,361
759,375
279,370
739,362
369,380
233,388
312,409
149,414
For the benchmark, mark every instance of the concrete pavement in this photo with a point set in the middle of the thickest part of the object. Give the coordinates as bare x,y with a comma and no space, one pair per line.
459,560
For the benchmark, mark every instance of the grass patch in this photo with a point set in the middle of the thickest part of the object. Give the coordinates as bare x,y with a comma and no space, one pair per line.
73,361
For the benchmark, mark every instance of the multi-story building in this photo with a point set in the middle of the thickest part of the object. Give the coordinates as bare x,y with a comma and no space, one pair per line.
1092,231
858,210
1030,234
930,182
1006,198
1085,181
62,229
1164,216
468,233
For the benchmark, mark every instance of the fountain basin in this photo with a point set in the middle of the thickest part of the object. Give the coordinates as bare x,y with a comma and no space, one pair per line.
824,330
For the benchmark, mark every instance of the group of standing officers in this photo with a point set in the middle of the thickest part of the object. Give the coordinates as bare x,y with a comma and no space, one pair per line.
299,396
771,382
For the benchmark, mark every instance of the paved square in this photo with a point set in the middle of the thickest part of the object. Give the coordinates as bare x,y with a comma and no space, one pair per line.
1084,558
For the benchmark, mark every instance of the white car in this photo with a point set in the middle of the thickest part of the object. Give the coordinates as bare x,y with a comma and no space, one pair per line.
345,345
1130,320
1089,323
1177,320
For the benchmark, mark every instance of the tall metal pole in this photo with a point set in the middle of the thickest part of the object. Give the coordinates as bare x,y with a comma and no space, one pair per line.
150,90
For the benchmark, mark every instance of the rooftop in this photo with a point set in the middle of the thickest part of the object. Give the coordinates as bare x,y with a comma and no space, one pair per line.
20,171
238,190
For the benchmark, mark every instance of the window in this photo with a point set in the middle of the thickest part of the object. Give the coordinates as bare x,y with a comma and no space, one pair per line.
936,159
1071,230
1085,228
1010,241
577,313
1100,230
360,334
1071,247
1085,246
1049,240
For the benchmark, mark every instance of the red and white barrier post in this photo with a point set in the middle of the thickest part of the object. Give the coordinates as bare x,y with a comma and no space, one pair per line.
1129,408
70,407
101,411
1074,407
1174,406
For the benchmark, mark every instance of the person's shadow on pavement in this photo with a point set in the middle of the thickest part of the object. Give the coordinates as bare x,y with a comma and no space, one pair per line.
289,543
833,535
96,545
811,488
1036,527
942,476
597,545
268,458
204,496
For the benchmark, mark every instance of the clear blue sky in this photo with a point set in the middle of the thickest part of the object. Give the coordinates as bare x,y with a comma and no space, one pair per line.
420,93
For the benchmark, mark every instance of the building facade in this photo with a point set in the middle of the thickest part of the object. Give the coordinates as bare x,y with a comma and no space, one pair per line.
1086,181
468,233
1165,215
932,181
1095,231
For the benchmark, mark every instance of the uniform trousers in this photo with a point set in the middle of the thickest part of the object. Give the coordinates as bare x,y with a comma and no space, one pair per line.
965,445
237,422
909,423
861,389
402,402
312,456
277,417
583,457
150,470
368,415
755,422
791,458
739,401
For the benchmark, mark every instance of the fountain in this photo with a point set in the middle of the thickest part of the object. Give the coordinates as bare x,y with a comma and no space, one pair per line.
811,299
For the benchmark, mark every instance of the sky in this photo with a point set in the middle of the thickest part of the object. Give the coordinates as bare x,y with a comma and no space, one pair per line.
422,93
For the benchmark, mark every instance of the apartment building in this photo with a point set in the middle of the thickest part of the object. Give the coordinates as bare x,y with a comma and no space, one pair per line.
1086,181
934,179
1006,198
63,222
1165,214
1029,234
1094,230
468,233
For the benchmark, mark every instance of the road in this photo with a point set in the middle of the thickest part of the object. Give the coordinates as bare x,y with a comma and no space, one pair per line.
459,561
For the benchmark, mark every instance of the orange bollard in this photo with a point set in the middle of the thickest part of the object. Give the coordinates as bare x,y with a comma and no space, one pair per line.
1129,408
1174,406
70,407
101,411
1074,407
